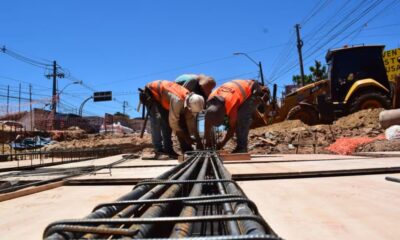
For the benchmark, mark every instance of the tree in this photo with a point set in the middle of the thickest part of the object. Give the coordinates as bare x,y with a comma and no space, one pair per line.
318,72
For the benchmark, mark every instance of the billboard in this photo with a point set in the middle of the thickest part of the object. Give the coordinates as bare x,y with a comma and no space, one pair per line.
392,64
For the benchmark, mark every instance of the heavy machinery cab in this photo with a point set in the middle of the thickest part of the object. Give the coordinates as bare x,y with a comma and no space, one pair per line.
350,64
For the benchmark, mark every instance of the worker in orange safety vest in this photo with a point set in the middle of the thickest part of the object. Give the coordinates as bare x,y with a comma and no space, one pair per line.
167,103
237,100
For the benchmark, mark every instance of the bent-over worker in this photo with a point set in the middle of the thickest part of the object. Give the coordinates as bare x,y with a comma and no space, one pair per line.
167,103
238,100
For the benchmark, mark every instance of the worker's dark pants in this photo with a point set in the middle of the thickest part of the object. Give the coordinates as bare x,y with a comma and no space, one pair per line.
160,130
245,118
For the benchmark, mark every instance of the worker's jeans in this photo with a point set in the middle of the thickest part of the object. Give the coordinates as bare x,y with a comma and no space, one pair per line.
160,130
245,118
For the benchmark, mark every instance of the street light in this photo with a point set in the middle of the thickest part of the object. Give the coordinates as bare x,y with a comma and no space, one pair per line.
258,64
69,84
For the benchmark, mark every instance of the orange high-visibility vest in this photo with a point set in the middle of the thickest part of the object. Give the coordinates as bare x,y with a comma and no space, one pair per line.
160,89
233,92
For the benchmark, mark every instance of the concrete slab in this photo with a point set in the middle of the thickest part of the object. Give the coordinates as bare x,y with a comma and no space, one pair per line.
295,166
357,207
140,162
26,217
92,162
126,173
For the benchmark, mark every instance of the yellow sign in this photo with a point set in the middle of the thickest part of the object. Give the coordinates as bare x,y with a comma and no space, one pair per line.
391,59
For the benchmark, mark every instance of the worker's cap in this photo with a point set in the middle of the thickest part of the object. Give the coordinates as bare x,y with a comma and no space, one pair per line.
194,102
184,78
215,113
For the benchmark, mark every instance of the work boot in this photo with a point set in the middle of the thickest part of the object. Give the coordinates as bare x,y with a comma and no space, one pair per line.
172,154
156,155
239,150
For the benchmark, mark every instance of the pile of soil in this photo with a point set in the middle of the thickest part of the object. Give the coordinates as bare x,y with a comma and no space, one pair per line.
380,146
71,133
127,143
283,137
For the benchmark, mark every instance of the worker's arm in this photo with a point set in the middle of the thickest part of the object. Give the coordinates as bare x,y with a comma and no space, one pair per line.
232,127
191,123
175,112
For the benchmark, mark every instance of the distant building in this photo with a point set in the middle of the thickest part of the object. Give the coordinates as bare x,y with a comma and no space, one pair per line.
42,120
289,89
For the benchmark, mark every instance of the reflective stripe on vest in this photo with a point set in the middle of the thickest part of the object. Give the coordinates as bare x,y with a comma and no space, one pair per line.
161,90
234,92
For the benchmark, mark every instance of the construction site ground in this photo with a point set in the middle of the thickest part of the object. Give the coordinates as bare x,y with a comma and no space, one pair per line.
307,196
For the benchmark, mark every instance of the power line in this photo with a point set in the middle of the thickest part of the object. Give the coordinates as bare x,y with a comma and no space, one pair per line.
25,59
315,11
336,34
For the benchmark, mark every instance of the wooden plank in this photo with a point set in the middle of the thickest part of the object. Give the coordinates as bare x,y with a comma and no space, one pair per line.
235,156
28,191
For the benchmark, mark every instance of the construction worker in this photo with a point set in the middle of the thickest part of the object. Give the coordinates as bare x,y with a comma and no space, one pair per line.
168,103
197,83
238,100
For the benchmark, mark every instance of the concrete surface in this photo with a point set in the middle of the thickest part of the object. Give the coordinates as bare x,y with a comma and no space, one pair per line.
125,173
357,207
27,217
313,165
91,162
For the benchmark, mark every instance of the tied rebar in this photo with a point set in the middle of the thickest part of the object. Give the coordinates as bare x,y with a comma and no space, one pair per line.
196,198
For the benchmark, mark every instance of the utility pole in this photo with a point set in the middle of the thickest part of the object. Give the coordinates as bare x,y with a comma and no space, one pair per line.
299,46
54,93
8,98
30,105
53,99
124,105
261,73
19,98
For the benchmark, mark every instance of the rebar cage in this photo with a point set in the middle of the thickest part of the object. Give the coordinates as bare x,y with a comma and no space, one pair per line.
195,199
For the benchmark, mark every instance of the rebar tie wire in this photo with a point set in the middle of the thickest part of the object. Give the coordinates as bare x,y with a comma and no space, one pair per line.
83,229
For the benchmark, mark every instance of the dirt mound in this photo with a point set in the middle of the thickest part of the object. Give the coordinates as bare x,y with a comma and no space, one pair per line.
380,146
284,137
285,125
127,143
363,119
72,133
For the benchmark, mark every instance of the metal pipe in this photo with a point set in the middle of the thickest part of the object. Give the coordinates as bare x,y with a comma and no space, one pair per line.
110,211
232,225
199,190
154,192
184,229
157,210
247,227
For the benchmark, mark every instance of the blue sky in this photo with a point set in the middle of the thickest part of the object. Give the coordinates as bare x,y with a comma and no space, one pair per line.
121,45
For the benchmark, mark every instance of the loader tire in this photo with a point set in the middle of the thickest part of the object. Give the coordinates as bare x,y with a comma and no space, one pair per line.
306,114
369,99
